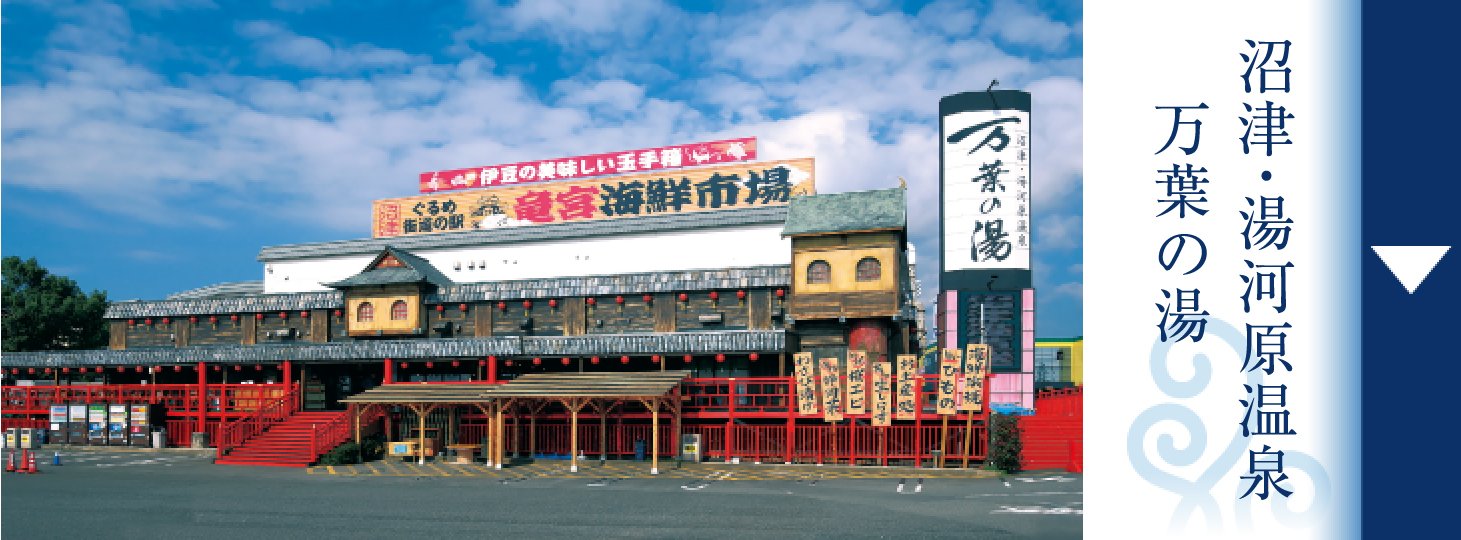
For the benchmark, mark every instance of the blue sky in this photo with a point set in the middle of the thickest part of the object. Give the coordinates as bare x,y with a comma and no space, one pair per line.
154,146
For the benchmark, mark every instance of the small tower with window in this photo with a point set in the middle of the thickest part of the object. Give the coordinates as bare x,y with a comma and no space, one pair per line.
850,283
385,299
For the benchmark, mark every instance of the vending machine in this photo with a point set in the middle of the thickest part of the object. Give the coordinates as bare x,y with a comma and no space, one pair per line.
96,424
58,425
117,425
76,424
141,424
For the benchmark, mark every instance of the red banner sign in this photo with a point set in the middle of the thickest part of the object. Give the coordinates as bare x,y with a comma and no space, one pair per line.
607,164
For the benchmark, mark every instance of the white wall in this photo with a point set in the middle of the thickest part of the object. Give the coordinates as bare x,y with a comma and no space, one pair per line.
724,247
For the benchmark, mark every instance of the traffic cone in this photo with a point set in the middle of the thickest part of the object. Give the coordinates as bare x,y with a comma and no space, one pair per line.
30,464
10,463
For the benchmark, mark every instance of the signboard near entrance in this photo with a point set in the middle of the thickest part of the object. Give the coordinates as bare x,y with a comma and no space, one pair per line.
806,384
907,405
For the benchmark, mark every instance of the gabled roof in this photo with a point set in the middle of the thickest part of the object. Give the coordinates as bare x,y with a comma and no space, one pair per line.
878,210
412,270
233,289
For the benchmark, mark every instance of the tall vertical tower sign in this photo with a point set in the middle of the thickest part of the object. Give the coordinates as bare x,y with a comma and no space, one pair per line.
984,184
985,223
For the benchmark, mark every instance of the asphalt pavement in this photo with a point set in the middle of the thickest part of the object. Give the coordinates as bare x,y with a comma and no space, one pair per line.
183,495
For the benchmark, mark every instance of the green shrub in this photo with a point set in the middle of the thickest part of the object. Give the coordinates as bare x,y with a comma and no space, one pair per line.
373,448
345,454
1004,443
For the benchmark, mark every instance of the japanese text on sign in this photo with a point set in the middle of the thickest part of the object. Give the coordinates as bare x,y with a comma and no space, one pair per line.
607,164
831,390
882,393
907,403
856,382
806,384
948,372
771,183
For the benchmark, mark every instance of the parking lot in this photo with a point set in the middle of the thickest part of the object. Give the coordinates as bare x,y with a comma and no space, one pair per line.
182,494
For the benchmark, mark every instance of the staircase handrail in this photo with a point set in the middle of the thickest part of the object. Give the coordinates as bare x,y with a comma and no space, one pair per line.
233,434
324,437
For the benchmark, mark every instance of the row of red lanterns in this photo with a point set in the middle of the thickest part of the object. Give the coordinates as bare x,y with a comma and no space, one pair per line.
123,369
538,361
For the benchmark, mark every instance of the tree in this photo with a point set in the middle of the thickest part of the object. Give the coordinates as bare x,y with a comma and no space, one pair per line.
43,311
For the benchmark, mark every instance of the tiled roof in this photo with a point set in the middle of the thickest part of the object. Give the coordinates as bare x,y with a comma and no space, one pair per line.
883,209
729,341
650,282
240,304
531,233
416,270
231,289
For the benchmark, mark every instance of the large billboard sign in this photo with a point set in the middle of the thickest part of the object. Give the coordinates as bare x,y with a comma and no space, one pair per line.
985,182
593,165
745,185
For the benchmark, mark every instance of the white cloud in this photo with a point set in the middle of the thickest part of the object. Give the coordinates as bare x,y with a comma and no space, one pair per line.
1017,23
277,45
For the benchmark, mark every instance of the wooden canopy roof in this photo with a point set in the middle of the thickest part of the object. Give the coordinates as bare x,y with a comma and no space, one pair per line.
642,384
422,393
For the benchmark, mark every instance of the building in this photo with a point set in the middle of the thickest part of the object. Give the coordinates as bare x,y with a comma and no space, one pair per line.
727,297
1058,362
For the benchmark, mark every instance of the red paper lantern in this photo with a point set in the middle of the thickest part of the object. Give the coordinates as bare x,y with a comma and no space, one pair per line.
121,369
237,367
527,304
509,363
403,365
780,293
258,316
481,363
234,317
258,367
166,320
537,361
553,303
149,322
213,319
175,369
304,314
619,300
648,298
565,360
337,313
687,358
15,371
193,319
83,370
430,365
31,371
714,295
283,314
456,363
138,369
590,301
755,357
440,308
684,297
48,371
654,358
462,308
65,370
156,369
502,306
623,359
131,322
594,360
216,368
740,295
720,358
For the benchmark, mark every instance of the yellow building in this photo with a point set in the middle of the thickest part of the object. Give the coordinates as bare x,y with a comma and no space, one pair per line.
1058,362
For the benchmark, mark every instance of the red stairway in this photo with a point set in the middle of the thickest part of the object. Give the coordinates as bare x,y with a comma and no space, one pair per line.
286,444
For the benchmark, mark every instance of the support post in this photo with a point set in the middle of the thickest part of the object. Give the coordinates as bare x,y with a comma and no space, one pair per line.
918,421
288,377
572,405
654,436
968,436
390,374
943,441
497,431
359,452
492,370
730,419
202,397
604,433
791,412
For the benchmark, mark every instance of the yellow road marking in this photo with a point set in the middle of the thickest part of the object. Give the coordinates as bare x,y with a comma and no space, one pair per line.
331,468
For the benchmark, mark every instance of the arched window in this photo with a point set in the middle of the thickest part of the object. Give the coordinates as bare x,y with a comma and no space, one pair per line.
869,269
819,272
398,310
365,313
